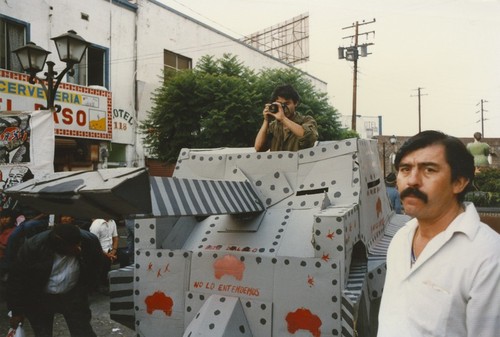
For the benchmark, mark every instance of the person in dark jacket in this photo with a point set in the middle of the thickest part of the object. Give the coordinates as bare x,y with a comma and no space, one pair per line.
54,273
20,234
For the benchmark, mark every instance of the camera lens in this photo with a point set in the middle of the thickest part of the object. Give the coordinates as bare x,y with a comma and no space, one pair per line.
273,108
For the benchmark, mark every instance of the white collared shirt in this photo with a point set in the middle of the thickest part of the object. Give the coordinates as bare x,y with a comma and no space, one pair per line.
105,232
64,275
453,289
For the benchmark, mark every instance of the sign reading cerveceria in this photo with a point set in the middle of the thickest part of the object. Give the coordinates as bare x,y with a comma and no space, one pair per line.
85,112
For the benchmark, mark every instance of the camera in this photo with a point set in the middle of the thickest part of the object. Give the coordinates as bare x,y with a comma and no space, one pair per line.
273,107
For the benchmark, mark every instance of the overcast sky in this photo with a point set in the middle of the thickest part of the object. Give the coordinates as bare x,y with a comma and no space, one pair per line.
449,48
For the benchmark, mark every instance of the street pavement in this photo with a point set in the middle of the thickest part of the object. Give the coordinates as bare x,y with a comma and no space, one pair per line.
102,324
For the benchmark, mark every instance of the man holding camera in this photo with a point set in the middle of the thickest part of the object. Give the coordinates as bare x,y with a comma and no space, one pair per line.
284,129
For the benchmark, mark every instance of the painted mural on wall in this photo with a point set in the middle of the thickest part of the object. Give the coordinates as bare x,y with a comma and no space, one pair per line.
26,149
15,139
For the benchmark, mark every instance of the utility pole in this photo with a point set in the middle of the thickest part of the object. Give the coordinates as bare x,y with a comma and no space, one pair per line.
482,115
351,54
419,108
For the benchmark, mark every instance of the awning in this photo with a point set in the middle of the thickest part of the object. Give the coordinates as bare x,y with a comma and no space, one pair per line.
88,194
176,197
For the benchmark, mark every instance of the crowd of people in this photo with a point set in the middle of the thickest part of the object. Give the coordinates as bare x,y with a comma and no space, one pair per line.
50,267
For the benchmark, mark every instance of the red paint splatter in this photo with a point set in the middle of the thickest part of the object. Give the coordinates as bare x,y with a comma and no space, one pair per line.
159,301
310,280
229,265
303,319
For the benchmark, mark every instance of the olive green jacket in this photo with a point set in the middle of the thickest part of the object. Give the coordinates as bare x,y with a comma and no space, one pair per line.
281,139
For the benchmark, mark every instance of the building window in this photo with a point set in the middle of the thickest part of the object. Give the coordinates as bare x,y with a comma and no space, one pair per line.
92,70
173,61
12,36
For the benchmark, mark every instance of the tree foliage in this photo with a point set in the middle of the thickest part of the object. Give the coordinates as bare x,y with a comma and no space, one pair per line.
486,188
219,104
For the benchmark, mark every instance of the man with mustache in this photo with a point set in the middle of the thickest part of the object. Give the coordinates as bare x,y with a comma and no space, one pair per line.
443,266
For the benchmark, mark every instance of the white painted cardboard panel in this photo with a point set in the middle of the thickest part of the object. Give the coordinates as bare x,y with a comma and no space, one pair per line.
256,165
274,187
373,194
376,278
145,233
329,233
220,316
310,299
327,150
200,165
339,175
161,279
258,313
297,237
210,234
233,274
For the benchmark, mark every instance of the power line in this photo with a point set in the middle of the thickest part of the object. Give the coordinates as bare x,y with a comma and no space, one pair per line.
482,115
419,107
352,54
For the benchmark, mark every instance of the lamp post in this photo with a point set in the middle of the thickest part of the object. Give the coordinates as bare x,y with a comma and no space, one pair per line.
70,48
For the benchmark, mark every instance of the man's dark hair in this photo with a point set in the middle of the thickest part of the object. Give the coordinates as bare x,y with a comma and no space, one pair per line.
287,92
460,160
64,235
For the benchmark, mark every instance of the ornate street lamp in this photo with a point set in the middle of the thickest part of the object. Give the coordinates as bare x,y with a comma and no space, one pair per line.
70,48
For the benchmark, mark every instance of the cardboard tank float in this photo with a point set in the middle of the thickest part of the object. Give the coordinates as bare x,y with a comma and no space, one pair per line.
239,243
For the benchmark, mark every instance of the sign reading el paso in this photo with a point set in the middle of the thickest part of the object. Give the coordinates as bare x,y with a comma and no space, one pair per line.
85,112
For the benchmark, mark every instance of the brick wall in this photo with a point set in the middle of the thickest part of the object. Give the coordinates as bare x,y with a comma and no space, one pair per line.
158,168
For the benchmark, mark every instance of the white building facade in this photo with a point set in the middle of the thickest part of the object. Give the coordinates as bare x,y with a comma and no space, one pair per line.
131,42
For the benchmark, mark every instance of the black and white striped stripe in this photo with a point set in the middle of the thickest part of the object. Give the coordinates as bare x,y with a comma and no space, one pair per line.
176,197
121,302
356,280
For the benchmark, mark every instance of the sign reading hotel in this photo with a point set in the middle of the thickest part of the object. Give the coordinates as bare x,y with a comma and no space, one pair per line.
85,112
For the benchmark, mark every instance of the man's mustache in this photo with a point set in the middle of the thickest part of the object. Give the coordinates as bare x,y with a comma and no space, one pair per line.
415,192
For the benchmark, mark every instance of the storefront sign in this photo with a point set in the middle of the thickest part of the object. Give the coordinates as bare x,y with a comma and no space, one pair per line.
85,112
124,126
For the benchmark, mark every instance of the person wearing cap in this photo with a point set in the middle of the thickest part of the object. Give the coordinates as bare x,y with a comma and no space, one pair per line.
54,273
392,192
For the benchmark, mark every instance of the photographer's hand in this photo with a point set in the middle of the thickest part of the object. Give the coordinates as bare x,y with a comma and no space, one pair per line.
280,114
260,139
268,116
